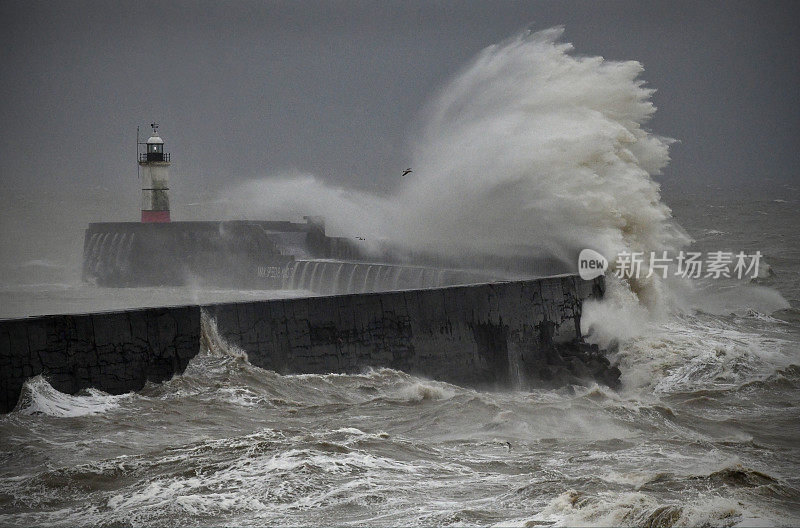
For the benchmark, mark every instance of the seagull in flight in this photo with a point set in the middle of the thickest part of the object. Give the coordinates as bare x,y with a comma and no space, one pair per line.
360,238
407,171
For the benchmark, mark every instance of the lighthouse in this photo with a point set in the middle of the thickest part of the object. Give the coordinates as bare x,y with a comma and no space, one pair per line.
154,163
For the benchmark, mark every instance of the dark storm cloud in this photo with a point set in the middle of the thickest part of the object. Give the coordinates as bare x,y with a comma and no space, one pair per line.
243,89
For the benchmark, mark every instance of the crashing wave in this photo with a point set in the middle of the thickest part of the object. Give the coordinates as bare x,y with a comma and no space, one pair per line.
39,397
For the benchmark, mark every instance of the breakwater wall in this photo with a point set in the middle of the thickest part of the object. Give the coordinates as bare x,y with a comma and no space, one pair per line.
477,334
116,352
330,277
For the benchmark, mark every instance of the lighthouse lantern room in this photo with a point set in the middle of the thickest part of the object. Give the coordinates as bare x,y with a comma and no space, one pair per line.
154,163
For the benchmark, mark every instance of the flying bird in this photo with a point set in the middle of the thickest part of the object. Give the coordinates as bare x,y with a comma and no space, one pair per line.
407,171
360,238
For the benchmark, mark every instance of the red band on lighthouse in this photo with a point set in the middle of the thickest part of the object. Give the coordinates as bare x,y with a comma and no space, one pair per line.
155,216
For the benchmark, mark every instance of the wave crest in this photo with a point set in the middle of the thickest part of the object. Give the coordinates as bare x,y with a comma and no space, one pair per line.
39,397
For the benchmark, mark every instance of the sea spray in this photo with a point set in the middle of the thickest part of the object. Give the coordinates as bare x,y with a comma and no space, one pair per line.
529,151
528,147
532,147
213,343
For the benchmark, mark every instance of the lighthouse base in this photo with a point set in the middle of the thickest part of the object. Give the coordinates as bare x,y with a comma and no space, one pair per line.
155,216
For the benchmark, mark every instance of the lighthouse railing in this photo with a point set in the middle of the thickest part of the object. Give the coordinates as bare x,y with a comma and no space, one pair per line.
154,156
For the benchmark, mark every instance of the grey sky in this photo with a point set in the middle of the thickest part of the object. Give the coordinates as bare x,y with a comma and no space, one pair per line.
244,89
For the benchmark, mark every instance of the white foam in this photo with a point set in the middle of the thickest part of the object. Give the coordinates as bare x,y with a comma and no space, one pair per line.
39,397
574,508
421,391
689,352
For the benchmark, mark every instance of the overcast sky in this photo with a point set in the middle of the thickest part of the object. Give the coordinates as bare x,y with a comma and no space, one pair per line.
246,89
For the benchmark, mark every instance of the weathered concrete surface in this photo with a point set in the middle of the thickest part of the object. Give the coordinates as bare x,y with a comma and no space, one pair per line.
116,352
485,334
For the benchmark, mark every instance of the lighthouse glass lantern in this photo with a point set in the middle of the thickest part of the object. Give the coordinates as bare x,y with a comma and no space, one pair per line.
155,152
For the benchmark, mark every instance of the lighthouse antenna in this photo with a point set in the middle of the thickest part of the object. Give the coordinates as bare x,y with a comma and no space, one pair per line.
137,152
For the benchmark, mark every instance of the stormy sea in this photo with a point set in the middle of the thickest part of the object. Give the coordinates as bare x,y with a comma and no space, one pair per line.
704,430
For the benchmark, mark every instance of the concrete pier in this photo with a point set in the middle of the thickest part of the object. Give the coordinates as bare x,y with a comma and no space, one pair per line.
115,352
483,334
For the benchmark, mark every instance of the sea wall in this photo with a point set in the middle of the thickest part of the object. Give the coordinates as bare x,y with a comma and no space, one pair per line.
116,352
478,334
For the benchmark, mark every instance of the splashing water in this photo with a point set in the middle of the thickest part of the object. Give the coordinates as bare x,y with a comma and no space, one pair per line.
528,151
532,147
39,397
211,342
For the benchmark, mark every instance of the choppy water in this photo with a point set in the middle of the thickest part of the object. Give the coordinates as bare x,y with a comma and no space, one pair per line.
705,431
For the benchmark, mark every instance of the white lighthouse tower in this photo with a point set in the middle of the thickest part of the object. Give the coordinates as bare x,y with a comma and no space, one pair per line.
155,179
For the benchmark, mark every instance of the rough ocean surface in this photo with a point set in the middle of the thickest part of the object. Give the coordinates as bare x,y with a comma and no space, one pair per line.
703,431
